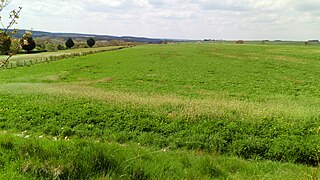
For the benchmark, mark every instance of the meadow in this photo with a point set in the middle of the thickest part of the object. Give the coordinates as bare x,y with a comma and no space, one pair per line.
180,111
35,57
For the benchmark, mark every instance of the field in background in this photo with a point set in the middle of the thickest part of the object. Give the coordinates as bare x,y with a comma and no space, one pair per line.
21,60
210,102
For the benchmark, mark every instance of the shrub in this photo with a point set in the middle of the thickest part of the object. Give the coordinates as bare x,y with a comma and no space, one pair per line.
27,42
5,45
80,44
40,47
50,47
61,47
239,42
91,42
69,43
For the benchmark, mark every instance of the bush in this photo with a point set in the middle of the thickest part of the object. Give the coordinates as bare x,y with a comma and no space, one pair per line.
27,42
40,47
51,47
91,42
5,45
240,42
69,43
80,44
61,47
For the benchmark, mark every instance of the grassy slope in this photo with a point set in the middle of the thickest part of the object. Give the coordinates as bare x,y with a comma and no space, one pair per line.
251,81
254,101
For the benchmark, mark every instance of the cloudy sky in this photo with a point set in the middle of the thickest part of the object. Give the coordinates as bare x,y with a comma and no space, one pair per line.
184,19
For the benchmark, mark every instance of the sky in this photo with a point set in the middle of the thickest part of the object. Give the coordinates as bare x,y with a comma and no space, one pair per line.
176,19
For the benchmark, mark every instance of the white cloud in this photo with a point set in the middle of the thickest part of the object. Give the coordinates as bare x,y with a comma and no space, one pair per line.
228,19
307,5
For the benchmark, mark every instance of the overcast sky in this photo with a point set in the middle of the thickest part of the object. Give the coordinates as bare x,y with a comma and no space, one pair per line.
184,19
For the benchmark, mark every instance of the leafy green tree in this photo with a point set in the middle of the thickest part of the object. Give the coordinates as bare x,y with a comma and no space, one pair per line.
69,43
27,42
91,42
5,33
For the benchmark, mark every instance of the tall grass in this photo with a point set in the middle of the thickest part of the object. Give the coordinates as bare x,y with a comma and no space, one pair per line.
47,57
74,117
35,158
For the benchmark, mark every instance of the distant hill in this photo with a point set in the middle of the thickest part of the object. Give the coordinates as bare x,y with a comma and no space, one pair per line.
95,36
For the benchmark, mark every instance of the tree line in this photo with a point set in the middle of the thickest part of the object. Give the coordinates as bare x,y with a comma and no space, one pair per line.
28,44
10,46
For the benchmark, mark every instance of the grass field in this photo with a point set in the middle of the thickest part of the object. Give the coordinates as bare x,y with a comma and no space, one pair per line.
176,111
28,59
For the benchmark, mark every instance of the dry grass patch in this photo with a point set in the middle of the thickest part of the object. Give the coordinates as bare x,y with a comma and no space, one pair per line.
289,59
217,106
53,77
83,81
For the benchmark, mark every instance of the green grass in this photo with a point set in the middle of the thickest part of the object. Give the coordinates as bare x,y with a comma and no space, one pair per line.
257,102
28,59
42,158
43,55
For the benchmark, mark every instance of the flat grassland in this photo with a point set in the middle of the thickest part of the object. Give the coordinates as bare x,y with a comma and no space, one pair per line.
180,111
